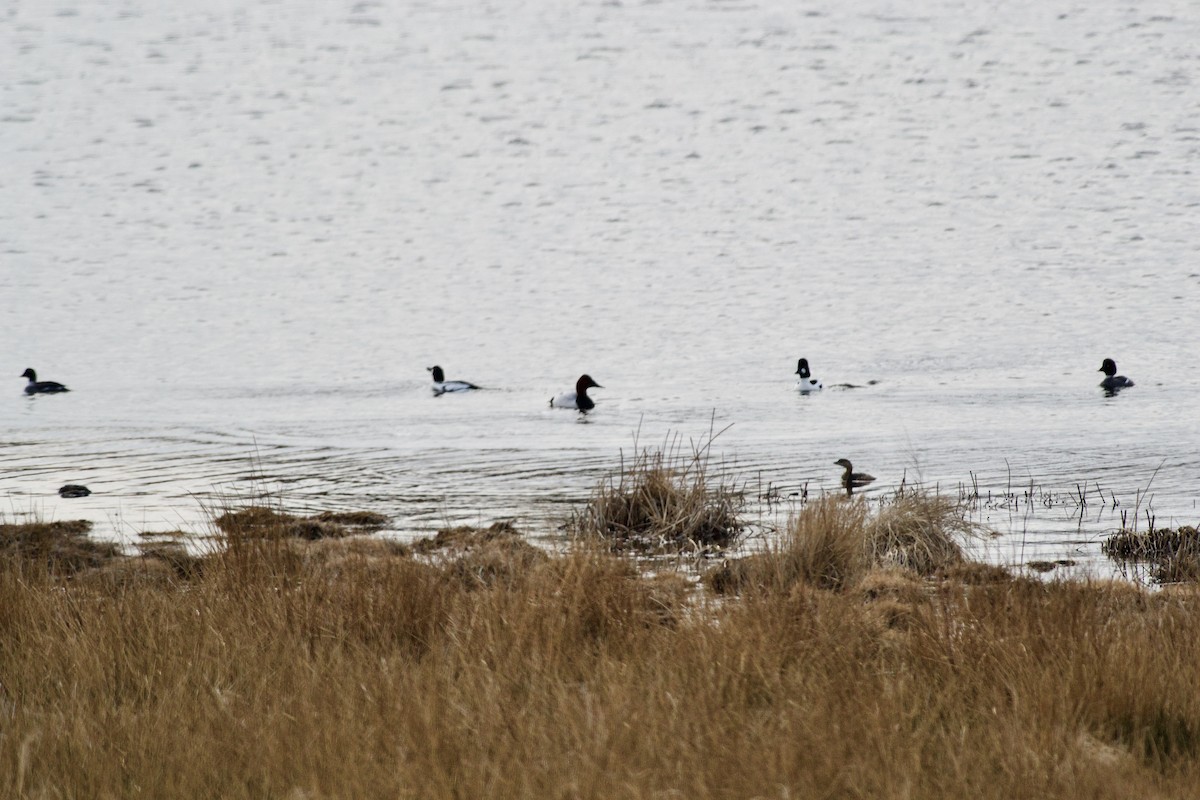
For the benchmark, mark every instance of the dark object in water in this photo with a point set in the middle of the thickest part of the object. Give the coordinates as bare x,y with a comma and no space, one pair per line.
41,387
579,398
74,490
851,480
1112,382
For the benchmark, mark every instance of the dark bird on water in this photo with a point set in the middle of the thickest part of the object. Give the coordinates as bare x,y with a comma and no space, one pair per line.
74,490
1112,381
577,399
851,480
41,387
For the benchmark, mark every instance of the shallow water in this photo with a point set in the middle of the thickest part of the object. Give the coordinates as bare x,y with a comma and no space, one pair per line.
241,234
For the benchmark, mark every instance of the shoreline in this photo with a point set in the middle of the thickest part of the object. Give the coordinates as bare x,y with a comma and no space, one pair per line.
862,655
1034,523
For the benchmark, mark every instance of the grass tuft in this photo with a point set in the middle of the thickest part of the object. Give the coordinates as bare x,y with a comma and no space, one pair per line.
63,548
175,555
257,521
362,521
920,532
1152,545
834,542
1172,553
663,502
483,557
975,573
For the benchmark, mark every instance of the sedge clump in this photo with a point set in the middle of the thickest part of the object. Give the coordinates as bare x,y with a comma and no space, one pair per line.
664,501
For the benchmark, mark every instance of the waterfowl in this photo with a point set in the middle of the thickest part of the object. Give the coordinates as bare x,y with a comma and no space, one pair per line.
851,480
806,383
577,399
74,490
441,385
41,387
1112,381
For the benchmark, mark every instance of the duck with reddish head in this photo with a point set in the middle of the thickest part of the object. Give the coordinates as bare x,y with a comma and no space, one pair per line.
577,399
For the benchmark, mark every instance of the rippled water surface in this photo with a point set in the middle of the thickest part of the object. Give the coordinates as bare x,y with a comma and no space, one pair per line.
240,232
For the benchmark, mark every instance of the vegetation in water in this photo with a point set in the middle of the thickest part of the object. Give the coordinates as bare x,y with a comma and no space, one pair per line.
1172,554
864,655
663,501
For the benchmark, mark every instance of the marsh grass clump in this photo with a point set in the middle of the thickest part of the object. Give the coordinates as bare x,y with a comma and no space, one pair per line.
257,521
463,538
481,557
175,556
1180,568
833,542
63,547
362,667
663,502
1173,554
975,573
361,521
823,546
920,532
1152,545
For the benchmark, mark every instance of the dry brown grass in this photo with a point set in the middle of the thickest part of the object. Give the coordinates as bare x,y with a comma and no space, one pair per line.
664,501
1159,543
833,542
481,557
920,532
257,521
355,667
63,548
1173,554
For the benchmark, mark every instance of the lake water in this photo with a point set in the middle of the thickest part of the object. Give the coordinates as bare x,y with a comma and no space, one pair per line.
240,232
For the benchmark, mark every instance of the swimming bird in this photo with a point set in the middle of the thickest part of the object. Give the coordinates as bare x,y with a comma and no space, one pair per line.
851,480
74,490
41,387
1112,381
807,383
577,399
441,385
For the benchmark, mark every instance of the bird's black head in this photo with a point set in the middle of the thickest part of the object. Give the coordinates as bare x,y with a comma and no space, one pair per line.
438,375
584,383
1109,367
802,368
29,373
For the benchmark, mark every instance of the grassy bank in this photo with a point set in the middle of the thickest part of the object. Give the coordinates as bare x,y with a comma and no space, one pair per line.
859,658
